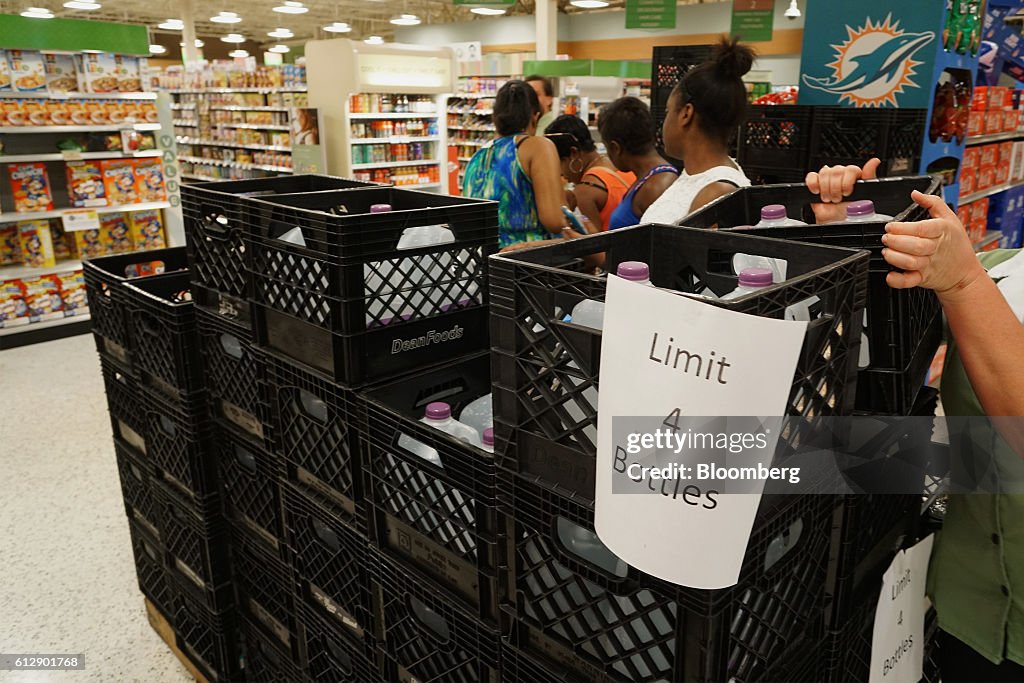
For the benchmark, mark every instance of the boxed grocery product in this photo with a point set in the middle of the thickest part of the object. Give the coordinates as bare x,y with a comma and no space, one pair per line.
147,229
90,244
979,209
28,73
115,233
78,112
1005,153
58,112
1002,174
129,78
36,113
1011,119
119,181
114,110
977,231
72,292
63,242
61,72
968,183
36,243
42,297
100,72
986,177
31,187
979,98
10,245
976,124
989,155
5,74
1018,161
964,214
13,310
11,114
149,180
993,122
85,184
972,159
99,113
150,114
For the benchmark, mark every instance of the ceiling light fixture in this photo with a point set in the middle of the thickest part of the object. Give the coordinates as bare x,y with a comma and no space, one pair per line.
374,40
155,49
281,33
793,11
233,38
226,18
280,49
291,7
406,20
82,5
338,27
589,4
487,11
37,13
199,43
238,54
172,25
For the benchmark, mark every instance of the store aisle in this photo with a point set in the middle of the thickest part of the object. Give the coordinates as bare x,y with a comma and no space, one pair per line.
67,578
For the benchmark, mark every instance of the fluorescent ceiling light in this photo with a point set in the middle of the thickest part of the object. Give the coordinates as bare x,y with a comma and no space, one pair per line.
280,49
226,18
291,7
82,5
588,4
37,13
199,43
238,54
281,33
233,38
338,27
406,20
155,49
487,11
172,25
374,40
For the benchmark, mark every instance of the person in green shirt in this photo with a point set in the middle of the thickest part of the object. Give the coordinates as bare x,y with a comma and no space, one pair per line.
546,95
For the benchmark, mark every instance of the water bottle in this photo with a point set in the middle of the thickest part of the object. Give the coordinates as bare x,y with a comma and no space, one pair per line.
294,236
751,280
478,414
590,313
488,439
863,211
772,216
439,416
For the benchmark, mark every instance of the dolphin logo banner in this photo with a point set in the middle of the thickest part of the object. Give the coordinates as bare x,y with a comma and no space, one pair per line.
879,63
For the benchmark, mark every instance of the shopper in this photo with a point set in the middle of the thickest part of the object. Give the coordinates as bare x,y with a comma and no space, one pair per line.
704,110
519,170
598,186
627,129
545,90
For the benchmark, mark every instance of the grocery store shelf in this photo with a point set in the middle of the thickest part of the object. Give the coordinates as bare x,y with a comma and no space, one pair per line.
79,95
989,192
46,330
20,158
57,213
183,106
199,176
395,164
205,91
490,129
473,96
252,126
467,143
237,108
465,158
994,137
236,164
182,140
987,240
191,123
403,115
476,112
19,272
425,186
78,129
394,140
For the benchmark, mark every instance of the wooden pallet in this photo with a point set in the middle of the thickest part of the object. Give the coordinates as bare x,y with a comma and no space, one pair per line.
163,629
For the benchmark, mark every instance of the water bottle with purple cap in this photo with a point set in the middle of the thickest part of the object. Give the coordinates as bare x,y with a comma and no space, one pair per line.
863,211
751,280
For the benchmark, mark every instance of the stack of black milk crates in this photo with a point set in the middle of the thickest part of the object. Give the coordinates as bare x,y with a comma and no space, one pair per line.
578,612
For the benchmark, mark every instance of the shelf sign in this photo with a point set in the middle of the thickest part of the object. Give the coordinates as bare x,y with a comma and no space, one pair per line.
73,35
81,219
650,14
419,71
752,20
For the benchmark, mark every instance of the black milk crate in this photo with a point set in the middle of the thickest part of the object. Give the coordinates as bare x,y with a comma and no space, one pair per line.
669,63
332,654
126,406
215,234
315,428
842,135
105,278
141,504
760,175
351,305
329,558
251,480
609,621
198,542
545,370
178,441
162,323
440,518
235,374
265,661
903,326
150,568
211,640
426,636
776,137
265,589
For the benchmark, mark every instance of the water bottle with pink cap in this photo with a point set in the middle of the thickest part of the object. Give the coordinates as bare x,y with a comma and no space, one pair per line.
751,280
590,313
863,211
439,416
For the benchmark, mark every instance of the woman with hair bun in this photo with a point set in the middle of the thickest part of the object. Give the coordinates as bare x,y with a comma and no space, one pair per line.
704,110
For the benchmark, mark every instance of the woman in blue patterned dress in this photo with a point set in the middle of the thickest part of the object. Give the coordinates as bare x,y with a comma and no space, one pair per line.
520,171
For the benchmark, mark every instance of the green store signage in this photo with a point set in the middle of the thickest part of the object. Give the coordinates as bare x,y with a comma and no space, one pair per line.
650,14
73,35
752,20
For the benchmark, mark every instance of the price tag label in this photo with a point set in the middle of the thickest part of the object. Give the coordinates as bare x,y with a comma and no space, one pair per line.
71,155
83,219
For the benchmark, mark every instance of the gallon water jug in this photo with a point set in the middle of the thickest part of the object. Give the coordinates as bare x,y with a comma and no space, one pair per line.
478,414
439,416
488,439
863,211
772,216
751,280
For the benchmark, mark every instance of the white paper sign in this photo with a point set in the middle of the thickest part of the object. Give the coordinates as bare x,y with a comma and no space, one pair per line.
897,642
754,361
83,219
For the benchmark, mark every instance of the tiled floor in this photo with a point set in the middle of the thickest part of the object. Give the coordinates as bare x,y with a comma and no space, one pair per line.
67,578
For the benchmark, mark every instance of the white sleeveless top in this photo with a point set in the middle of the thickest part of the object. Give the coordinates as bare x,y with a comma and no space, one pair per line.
674,205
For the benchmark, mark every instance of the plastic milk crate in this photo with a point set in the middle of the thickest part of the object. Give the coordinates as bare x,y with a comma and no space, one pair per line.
137,477
545,370
215,235
331,654
104,284
265,587
265,661
150,570
439,516
354,306
903,327
178,436
844,135
251,480
579,607
126,407
211,640
775,137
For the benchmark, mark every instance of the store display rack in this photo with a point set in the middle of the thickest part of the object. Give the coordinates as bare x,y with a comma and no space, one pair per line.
394,138
469,113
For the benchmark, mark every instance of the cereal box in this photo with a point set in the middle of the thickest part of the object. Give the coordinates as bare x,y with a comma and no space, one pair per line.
27,70
78,111
99,114
85,184
63,242
58,112
36,243
36,113
89,244
10,113
5,73
61,74
10,245
128,77
147,229
989,155
115,233
119,181
31,187
13,310
149,180
72,292
100,72
42,296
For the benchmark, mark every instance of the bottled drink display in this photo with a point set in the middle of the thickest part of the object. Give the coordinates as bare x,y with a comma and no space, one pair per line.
478,414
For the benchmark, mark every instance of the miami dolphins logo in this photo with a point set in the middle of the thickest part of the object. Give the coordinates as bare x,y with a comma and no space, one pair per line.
874,65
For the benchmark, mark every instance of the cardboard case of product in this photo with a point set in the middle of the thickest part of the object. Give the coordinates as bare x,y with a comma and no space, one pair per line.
147,229
61,73
119,182
36,243
149,180
30,186
28,72
99,71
